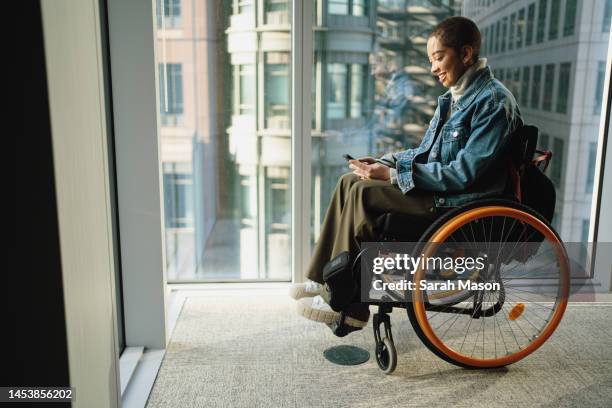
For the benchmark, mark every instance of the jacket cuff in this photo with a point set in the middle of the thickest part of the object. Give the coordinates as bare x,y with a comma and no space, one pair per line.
404,174
393,175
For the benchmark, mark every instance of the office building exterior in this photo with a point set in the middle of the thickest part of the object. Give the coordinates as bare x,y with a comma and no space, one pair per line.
551,54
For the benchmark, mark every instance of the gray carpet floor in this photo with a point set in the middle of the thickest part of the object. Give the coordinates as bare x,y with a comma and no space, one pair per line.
248,348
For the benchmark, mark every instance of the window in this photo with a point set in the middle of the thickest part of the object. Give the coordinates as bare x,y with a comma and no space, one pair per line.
504,32
277,90
244,6
590,177
346,90
553,28
516,83
564,86
359,8
520,25
543,142
585,230
178,195
347,7
537,83
337,100
168,13
556,165
497,36
607,16
530,21
549,82
512,29
171,94
601,74
277,12
540,30
570,18
246,104
525,85
357,88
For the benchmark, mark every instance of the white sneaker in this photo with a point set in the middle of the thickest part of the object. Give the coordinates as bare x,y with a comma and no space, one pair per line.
316,309
302,290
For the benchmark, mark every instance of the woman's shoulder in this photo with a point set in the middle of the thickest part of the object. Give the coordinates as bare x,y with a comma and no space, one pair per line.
494,93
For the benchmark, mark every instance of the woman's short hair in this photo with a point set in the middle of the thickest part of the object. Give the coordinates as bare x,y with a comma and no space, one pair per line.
456,32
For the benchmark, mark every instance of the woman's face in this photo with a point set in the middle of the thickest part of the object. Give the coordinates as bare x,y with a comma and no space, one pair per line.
445,63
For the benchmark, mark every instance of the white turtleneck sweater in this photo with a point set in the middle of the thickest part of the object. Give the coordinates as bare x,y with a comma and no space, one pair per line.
457,92
464,81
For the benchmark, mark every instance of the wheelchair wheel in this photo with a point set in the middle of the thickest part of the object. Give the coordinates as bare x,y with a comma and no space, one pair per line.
493,326
386,355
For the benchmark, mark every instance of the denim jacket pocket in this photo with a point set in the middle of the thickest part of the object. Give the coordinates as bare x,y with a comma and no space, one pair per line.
453,139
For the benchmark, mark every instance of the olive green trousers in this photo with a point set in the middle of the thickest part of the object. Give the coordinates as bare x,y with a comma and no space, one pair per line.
352,213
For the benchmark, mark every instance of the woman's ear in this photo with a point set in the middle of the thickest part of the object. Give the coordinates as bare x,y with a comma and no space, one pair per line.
467,55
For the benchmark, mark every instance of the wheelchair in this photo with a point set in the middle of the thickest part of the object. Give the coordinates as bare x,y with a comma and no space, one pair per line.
478,328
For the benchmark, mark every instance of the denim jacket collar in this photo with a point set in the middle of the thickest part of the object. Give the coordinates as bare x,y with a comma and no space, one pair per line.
478,83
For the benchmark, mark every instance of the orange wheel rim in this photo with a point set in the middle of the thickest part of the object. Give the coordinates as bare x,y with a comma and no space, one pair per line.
442,234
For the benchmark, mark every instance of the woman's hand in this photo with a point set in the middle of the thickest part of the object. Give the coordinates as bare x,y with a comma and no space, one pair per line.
367,160
374,171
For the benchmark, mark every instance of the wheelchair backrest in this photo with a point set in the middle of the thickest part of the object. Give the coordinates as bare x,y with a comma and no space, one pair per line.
523,144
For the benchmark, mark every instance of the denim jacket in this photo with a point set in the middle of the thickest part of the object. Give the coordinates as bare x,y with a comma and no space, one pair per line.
461,160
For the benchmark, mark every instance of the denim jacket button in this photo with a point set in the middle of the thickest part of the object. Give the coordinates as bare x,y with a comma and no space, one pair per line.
434,154
455,133
442,200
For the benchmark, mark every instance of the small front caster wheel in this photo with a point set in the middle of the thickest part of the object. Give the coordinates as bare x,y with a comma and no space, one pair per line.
386,356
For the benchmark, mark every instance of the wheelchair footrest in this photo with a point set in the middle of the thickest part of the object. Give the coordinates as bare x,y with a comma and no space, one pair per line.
340,328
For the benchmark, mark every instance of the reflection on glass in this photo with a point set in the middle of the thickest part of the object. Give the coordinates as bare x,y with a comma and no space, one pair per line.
225,138
400,94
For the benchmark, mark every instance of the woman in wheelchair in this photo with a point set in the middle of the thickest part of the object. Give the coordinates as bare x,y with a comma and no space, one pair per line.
458,161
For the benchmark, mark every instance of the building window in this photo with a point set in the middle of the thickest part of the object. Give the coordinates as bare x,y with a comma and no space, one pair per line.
540,30
337,100
530,20
168,13
543,142
590,177
601,74
516,83
244,7
512,30
359,8
277,12
246,104
525,85
504,33
520,25
171,94
537,83
497,36
178,195
553,28
564,86
570,18
556,165
357,88
586,224
347,7
276,94
549,82
347,83
607,16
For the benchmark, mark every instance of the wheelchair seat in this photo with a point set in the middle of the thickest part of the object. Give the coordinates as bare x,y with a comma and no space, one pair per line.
402,227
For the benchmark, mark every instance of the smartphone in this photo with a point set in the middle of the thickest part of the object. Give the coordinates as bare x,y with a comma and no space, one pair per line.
348,157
